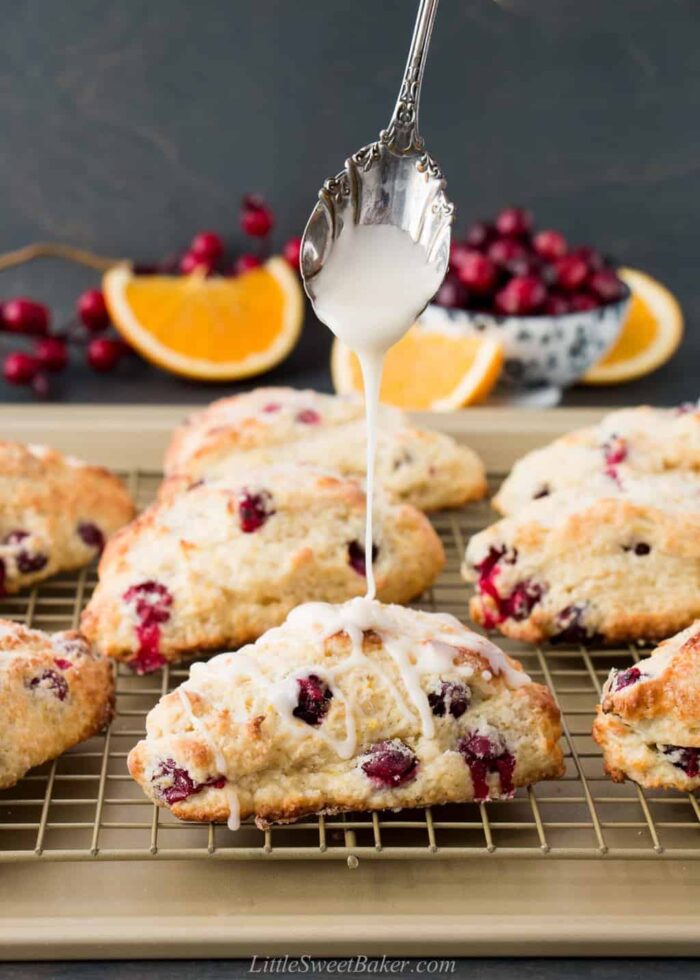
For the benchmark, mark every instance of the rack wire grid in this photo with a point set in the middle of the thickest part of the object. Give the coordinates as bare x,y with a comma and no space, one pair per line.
84,806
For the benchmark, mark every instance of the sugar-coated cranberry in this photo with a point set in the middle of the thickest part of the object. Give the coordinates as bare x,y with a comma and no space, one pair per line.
484,755
207,245
103,354
254,509
390,763
625,678
583,302
477,273
505,250
570,626
92,310
308,416
550,245
23,315
91,535
292,251
190,263
246,262
51,353
313,700
520,296
514,223
257,219
606,286
571,272
452,294
19,368
480,235
684,757
449,698
172,783
357,558
50,680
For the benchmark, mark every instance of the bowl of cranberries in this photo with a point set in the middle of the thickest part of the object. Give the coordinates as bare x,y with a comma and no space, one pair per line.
556,309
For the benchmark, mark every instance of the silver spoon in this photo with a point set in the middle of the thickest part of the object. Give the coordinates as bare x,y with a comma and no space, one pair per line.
393,181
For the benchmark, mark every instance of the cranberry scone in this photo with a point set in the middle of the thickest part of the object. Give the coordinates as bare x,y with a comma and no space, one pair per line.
55,513
587,567
648,722
358,706
216,565
271,425
628,442
54,693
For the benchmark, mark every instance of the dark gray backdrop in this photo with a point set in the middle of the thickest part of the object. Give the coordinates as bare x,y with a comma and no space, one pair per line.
128,125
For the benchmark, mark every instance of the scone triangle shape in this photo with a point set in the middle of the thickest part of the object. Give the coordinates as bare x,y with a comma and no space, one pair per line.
359,706
214,565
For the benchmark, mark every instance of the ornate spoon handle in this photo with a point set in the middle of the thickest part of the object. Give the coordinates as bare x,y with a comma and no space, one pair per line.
402,132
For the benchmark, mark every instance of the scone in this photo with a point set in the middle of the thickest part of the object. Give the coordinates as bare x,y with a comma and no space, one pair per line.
54,693
359,706
579,568
218,564
271,425
628,442
648,724
55,513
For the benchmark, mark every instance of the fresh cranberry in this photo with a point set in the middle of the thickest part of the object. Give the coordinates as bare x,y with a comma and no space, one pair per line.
190,263
571,628
28,563
51,680
480,235
308,416
25,316
390,763
524,265
253,510
246,262
42,386
522,295
477,273
19,368
486,754
505,250
172,783
684,757
357,558
62,664
604,284
626,678
550,245
257,219
514,223
591,256
313,701
458,252
207,245
292,252
583,302
452,294
51,353
571,272
91,535
152,603
104,354
556,305
93,311
450,698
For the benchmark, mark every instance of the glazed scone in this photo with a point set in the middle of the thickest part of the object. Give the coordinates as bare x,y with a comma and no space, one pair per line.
217,565
587,567
628,442
648,724
272,425
55,513
359,706
54,693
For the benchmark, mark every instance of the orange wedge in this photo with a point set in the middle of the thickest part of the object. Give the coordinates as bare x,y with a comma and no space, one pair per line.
436,370
215,329
650,334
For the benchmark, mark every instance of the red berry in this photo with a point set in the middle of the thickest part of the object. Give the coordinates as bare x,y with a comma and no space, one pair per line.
190,263
452,294
51,353
103,354
550,245
591,256
246,262
480,235
92,310
477,273
257,219
606,286
41,386
23,315
523,294
514,222
581,302
292,252
458,252
207,245
525,265
19,368
505,250
556,305
571,272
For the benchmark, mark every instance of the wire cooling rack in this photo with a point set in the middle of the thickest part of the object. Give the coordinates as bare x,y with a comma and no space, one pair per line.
85,807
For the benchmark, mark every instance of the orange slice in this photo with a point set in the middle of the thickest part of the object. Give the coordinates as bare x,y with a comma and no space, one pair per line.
436,370
215,329
650,334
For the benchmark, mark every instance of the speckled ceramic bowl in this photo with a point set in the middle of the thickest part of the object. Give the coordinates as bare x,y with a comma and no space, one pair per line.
549,350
